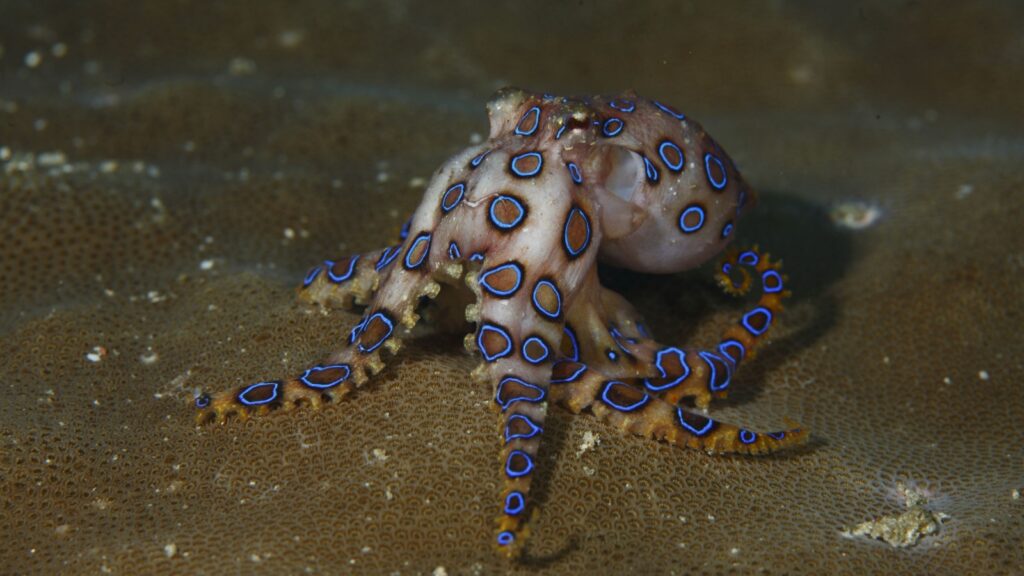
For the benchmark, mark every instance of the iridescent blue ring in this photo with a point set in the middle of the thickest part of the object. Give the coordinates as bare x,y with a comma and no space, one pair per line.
708,424
310,276
541,393
558,297
410,264
534,429
275,385
574,172
747,437
487,327
764,282
320,386
513,164
630,408
514,503
669,111
387,322
446,205
708,159
514,266
650,171
565,232
338,279
622,105
506,538
535,111
676,166
612,127
712,361
453,251
518,473
759,311
659,360
691,209
727,229
504,225
387,257
572,377
575,357
538,359
478,158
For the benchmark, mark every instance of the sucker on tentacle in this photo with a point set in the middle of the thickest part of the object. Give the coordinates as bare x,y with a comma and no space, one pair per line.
512,229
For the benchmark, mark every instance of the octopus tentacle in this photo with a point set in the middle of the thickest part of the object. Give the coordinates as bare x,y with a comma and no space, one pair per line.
700,375
577,387
345,282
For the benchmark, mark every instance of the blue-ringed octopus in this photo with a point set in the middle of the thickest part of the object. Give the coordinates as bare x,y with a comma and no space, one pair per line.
522,220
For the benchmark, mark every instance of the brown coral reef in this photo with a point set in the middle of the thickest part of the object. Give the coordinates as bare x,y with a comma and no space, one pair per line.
169,170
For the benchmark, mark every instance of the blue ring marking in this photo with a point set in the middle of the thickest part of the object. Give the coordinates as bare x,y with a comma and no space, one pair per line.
612,355
478,158
631,408
711,360
310,276
682,219
273,395
726,268
391,328
514,503
534,429
476,257
760,310
518,473
203,400
558,134
543,344
669,111
764,282
502,293
749,258
423,237
747,437
574,172
622,105
515,160
447,206
620,338
643,330
404,232
650,170
329,265
736,345
453,251
572,377
541,393
356,331
659,358
558,297
777,435
612,127
499,223
480,341
506,538
536,122
565,232
677,166
708,424
727,229
305,377
708,158
387,257
575,344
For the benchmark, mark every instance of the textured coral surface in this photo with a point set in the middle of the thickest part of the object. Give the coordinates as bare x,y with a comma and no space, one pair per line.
168,172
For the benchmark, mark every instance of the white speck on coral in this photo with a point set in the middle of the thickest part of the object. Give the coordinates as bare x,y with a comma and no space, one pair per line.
855,214
33,59
97,354
983,375
170,550
207,264
963,191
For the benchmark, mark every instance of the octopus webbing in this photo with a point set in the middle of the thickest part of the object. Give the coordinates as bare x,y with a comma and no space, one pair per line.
522,221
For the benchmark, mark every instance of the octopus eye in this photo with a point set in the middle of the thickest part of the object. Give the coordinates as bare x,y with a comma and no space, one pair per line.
626,170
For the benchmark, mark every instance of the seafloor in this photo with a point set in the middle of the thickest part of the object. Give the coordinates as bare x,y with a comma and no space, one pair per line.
171,169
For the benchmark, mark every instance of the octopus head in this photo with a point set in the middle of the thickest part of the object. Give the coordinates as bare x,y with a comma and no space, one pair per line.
668,195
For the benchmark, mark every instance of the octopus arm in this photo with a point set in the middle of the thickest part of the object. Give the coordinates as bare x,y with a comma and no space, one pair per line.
578,387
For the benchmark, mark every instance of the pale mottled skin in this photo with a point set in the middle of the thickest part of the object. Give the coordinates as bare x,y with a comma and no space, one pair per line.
522,220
